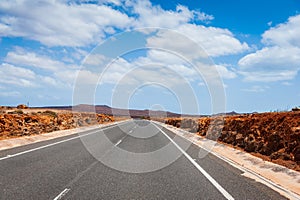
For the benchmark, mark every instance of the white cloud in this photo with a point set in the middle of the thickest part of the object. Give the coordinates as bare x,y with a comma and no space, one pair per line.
49,80
21,57
215,41
56,23
58,73
16,76
7,69
116,2
67,77
279,60
10,94
184,47
203,16
65,23
225,72
270,23
285,34
194,41
85,23
155,16
287,83
272,59
268,76
22,77
95,60
257,88
215,73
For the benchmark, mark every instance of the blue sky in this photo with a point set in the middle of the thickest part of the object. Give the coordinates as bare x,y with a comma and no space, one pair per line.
198,56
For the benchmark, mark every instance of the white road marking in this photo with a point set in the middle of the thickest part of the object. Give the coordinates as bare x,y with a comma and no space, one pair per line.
55,143
287,193
63,193
118,142
211,179
130,131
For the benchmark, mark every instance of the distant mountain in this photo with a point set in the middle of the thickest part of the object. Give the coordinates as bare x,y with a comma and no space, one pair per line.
227,113
104,109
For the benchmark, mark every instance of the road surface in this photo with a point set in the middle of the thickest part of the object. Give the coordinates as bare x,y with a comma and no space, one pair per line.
64,168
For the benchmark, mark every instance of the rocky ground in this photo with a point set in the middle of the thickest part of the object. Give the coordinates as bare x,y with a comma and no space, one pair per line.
272,136
23,121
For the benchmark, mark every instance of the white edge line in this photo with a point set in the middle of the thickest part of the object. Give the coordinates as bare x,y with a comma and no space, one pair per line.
211,179
264,180
63,193
62,141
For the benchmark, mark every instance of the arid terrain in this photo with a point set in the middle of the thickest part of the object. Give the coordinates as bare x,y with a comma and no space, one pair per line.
272,136
21,121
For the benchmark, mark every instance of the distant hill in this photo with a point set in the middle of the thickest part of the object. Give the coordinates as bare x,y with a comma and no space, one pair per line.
104,109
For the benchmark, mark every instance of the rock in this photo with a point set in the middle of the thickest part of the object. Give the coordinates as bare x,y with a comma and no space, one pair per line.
275,142
265,150
296,109
88,120
280,155
239,137
250,143
229,137
25,124
296,153
22,106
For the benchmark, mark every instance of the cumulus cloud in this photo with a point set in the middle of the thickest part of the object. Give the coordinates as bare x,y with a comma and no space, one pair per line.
184,46
25,66
279,60
155,16
21,77
16,76
285,34
215,41
10,94
57,23
198,41
273,58
22,57
256,88
77,24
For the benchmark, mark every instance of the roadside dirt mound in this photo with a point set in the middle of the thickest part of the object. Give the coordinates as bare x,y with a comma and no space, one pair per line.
16,123
271,136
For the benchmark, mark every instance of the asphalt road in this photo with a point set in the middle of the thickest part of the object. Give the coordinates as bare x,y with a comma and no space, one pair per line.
133,160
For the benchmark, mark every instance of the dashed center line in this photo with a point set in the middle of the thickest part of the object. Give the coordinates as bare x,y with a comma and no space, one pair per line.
118,142
63,193
211,179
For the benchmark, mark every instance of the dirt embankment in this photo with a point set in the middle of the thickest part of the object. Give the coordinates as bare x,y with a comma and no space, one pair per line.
271,136
16,123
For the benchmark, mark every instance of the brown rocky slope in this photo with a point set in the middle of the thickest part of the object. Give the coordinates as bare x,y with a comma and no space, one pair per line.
271,136
17,123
